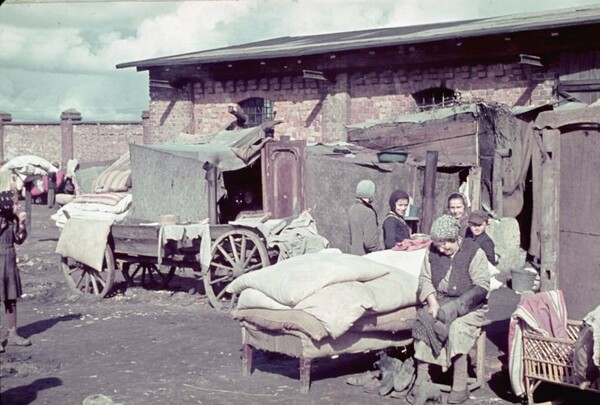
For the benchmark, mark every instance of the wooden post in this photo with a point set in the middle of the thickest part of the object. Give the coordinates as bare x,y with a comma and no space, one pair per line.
429,190
211,178
498,196
28,206
550,200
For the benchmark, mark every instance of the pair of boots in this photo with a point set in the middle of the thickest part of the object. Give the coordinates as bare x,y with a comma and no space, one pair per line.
424,391
15,340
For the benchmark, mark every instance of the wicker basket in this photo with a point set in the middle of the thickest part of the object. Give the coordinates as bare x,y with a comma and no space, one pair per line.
550,360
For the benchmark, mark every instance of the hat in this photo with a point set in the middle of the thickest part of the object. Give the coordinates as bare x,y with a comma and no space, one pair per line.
397,195
445,227
365,189
478,217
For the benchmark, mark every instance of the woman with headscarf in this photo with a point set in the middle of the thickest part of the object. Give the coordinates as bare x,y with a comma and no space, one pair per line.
457,207
395,228
453,287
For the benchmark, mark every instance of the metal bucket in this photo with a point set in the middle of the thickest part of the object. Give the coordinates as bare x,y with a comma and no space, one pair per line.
523,279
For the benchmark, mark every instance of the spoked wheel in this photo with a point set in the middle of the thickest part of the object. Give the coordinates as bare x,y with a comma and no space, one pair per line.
83,279
150,276
233,254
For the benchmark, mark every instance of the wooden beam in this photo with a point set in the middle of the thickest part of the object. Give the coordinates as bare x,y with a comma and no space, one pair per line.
429,191
549,209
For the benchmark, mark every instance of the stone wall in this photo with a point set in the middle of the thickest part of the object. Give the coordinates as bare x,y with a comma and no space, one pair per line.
68,138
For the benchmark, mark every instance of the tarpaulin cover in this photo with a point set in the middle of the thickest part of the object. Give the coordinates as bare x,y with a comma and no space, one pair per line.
228,150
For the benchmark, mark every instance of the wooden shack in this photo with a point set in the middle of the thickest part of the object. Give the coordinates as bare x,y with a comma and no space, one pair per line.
568,191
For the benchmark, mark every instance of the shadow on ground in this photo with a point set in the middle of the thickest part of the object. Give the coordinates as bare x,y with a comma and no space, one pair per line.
26,394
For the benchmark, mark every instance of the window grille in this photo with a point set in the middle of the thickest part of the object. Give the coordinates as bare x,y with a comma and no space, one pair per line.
257,110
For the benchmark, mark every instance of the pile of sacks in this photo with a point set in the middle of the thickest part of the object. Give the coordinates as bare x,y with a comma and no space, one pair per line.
396,377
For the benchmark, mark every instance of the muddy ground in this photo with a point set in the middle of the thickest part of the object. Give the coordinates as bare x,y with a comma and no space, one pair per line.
151,347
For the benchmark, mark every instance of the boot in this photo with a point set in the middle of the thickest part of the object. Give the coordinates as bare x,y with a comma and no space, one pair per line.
15,340
460,390
404,377
364,378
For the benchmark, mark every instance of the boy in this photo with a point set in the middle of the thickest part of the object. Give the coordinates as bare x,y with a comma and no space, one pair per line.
478,222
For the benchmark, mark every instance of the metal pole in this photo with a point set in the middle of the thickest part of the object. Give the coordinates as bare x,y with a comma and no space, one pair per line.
429,190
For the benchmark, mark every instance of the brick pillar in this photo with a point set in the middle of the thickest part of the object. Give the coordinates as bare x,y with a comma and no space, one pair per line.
4,117
66,134
146,136
336,109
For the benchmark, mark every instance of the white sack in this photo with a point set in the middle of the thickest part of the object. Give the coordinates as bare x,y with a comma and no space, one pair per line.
410,262
338,306
395,290
292,280
251,299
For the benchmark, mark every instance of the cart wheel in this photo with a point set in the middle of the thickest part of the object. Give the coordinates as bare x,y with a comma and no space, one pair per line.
233,254
150,276
82,279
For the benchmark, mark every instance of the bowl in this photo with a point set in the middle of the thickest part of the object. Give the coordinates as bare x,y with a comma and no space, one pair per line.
392,155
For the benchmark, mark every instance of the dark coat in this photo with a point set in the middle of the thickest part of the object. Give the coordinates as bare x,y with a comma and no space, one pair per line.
364,229
395,230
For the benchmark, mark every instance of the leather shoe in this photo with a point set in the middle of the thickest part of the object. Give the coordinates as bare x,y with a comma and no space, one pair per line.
458,397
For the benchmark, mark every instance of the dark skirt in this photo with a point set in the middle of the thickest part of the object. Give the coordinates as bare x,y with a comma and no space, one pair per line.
10,280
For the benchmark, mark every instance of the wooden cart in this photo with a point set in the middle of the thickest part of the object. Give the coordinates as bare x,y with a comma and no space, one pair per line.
135,250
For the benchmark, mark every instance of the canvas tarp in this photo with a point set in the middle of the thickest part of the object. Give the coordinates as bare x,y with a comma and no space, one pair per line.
228,150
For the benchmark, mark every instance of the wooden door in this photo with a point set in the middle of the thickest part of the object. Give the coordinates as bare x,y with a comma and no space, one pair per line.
283,178
579,222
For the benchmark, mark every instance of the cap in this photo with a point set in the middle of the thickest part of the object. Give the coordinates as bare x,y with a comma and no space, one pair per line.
478,217
365,189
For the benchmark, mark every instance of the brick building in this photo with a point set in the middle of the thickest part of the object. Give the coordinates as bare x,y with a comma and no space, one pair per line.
318,84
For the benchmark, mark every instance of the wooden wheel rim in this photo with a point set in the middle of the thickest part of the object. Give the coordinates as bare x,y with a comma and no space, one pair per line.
82,279
234,253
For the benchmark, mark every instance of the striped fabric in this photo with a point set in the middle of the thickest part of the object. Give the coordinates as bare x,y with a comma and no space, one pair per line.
100,198
544,313
116,177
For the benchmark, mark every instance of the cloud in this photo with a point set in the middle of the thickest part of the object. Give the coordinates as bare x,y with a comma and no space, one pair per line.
62,55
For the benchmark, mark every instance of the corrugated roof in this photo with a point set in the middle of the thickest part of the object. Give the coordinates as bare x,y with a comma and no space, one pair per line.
344,41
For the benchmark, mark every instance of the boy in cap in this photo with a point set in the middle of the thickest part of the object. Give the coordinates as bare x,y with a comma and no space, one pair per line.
364,229
478,222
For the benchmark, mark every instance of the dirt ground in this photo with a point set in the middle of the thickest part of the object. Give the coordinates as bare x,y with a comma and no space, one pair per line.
150,347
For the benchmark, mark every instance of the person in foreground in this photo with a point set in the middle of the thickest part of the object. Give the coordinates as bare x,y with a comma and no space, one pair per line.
395,228
453,288
364,229
12,230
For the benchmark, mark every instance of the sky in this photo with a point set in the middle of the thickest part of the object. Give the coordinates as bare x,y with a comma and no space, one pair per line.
56,55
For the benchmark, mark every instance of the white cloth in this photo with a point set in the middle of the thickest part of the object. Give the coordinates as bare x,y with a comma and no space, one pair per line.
593,319
187,232
84,240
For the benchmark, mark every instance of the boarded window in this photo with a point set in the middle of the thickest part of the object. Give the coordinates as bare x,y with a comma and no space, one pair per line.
435,97
257,110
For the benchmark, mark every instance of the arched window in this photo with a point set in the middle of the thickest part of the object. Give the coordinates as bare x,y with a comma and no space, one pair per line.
435,97
257,110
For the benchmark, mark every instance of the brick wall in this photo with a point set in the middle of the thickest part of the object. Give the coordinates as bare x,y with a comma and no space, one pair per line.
69,138
318,110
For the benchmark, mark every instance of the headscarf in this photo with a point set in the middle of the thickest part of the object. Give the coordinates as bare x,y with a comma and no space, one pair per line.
397,195
445,227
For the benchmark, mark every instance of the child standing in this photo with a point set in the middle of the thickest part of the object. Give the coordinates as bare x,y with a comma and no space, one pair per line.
12,230
478,222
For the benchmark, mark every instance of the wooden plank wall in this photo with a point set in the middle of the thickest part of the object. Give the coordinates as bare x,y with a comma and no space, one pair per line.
583,68
579,222
454,138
